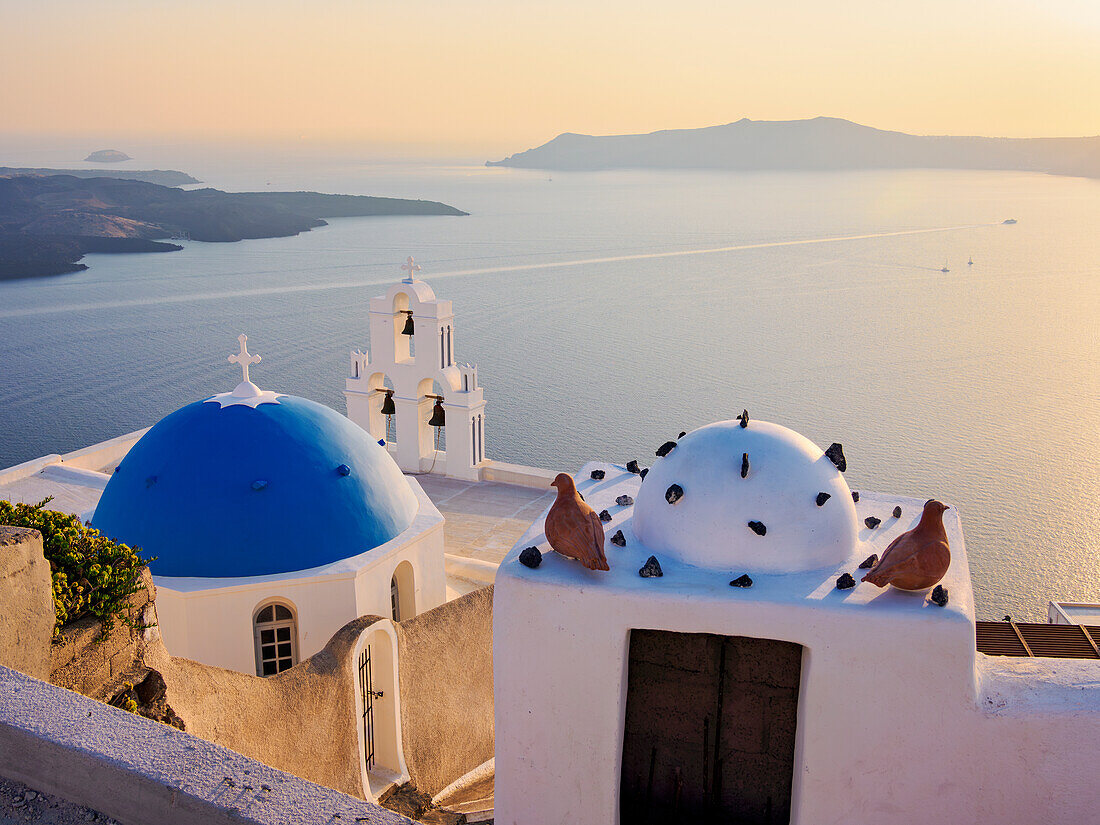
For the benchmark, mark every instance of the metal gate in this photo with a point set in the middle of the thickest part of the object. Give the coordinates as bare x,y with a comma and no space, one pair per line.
369,694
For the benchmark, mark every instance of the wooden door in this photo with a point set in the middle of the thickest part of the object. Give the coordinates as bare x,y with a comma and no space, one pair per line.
710,729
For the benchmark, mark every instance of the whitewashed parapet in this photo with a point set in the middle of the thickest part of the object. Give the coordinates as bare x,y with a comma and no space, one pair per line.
141,772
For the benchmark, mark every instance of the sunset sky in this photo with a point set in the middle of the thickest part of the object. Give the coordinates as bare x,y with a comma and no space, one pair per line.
497,76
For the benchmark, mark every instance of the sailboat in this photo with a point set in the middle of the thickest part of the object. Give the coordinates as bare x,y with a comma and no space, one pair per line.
945,269
970,261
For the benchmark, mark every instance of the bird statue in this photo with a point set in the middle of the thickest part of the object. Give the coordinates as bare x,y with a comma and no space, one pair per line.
918,559
573,528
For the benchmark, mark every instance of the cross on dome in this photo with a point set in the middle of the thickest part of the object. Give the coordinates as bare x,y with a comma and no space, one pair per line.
243,358
411,267
245,393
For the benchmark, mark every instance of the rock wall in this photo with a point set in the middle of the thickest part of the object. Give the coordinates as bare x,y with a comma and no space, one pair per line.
26,603
445,667
85,661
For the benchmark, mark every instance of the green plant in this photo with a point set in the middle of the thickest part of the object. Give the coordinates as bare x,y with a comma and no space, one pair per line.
92,575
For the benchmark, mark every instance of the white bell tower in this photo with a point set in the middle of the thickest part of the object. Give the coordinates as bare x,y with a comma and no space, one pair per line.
411,363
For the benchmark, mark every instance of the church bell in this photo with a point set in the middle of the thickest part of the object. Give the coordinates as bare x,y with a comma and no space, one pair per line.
409,329
439,417
388,407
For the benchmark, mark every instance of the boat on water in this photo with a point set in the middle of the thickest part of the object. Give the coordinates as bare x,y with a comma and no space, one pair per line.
1009,220
970,261
944,267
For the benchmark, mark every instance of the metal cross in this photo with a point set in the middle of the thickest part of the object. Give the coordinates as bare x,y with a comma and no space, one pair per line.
411,267
243,357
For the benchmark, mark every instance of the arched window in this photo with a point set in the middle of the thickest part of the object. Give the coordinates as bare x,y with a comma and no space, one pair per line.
276,635
395,599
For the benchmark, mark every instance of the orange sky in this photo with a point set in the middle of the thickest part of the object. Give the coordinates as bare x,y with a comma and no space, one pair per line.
493,77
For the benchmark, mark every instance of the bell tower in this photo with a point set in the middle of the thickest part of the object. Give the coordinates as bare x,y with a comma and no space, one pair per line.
409,393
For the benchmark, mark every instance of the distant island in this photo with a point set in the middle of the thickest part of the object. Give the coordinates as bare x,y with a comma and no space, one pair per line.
48,223
108,156
821,143
165,177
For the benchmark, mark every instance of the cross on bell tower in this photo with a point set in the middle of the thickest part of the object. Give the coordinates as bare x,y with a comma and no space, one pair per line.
411,267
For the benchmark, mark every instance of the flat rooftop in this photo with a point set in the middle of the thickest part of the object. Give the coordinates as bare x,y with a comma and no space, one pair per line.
484,519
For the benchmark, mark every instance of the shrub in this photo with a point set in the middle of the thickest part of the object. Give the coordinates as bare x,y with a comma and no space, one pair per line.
92,575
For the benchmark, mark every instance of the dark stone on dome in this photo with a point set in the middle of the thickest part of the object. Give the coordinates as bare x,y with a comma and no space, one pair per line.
897,512
855,496
758,527
869,562
619,540
651,569
744,465
744,419
742,581
939,595
150,481
344,470
674,493
872,522
642,474
598,475
666,448
605,516
624,500
835,454
845,582
117,469
530,557
681,435
259,484
822,498
632,467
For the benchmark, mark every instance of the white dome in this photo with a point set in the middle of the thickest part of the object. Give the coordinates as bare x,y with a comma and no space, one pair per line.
709,526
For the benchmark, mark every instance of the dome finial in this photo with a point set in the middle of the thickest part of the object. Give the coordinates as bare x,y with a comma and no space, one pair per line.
245,392
244,359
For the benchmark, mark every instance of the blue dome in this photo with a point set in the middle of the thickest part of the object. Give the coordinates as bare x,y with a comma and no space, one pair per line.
242,491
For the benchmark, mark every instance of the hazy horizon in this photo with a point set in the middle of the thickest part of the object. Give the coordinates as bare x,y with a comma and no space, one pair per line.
487,78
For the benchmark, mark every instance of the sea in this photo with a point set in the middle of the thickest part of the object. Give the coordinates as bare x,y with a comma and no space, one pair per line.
608,311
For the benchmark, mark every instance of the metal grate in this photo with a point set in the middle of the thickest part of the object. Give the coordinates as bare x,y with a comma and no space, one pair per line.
1060,641
366,688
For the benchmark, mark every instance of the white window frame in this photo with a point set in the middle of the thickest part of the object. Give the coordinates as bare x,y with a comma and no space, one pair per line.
275,625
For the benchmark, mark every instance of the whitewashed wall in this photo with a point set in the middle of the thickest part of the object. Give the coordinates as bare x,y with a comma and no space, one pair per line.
899,719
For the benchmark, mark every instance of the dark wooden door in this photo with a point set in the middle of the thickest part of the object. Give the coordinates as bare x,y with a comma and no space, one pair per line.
710,729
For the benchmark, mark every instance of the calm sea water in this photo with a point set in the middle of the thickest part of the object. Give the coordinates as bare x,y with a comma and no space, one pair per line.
604,322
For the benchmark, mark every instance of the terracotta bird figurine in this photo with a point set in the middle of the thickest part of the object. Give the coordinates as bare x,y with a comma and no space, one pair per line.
918,559
573,528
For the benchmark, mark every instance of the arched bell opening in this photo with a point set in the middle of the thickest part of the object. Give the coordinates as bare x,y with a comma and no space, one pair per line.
383,410
433,418
404,329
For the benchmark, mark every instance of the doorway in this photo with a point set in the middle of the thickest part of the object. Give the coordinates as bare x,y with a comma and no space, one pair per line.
710,729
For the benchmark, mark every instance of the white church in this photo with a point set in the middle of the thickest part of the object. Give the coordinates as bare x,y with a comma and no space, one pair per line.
718,672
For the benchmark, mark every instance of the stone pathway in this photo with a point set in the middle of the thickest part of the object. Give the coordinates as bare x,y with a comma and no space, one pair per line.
20,804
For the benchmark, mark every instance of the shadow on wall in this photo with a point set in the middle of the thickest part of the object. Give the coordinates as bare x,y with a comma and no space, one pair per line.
306,720
445,662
